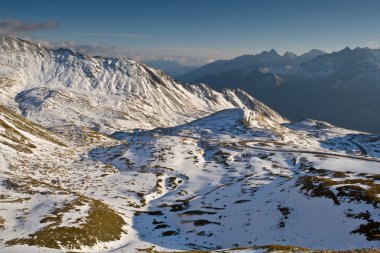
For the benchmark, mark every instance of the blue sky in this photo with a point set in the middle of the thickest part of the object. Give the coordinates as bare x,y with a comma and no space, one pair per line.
197,31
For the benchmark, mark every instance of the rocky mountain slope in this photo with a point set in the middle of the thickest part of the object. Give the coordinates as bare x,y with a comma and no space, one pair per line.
49,87
101,154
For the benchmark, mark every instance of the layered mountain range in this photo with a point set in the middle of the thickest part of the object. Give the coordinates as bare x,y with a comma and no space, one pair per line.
105,154
314,85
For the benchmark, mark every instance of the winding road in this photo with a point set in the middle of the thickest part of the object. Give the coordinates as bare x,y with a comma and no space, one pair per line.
360,147
364,152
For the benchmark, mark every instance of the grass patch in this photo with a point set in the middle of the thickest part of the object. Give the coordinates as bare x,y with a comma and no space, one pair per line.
161,226
12,134
27,126
201,222
283,248
152,213
241,201
169,233
315,186
2,223
102,224
371,230
8,199
179,207
21,186
285,212
17,147
195,212
158,186
172,184
266,248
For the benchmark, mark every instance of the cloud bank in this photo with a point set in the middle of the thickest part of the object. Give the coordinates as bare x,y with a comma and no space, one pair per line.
182,55
9,27
90,49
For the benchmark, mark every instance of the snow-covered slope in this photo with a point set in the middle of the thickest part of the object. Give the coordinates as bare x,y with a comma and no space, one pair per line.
55,87
204,170
38,196
223,182
17,131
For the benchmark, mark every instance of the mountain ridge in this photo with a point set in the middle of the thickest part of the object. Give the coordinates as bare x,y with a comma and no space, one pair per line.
324,88
46,80
264,58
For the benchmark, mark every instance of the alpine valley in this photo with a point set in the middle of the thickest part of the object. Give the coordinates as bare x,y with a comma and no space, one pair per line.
106,154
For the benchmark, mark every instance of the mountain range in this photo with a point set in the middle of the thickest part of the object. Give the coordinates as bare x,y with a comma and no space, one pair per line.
266,58
314,85
102,154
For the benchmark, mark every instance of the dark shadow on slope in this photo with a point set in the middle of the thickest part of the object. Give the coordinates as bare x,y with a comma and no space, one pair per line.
359,144
160,225
155,225
207,132
228,121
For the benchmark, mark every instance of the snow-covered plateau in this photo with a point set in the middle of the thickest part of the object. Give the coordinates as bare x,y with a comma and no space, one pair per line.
106,154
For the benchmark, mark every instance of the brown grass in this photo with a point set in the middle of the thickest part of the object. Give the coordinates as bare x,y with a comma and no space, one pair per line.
102,224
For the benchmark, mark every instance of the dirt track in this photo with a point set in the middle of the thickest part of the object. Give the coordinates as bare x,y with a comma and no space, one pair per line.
245,142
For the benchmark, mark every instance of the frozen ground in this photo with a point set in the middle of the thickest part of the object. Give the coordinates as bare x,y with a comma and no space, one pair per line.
209,184
125,159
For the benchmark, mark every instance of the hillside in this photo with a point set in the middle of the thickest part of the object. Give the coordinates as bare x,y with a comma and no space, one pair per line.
54,87
106,154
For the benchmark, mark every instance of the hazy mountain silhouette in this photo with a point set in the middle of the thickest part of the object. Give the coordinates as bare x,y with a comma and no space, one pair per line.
263,59
342,87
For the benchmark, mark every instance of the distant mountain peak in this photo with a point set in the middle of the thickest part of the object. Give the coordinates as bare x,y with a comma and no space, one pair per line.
316,51
289,54
313,53
346,49
271,52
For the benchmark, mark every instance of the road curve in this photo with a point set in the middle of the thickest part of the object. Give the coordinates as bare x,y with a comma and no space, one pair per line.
245,142
360,147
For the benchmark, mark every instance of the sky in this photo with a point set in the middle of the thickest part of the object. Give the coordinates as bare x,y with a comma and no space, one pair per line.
193,32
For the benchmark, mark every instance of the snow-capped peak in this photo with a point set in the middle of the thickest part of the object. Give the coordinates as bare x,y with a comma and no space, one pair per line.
55,87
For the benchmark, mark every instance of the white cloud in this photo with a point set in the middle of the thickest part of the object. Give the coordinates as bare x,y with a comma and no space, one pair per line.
90,49
374,44
374,41
185,55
